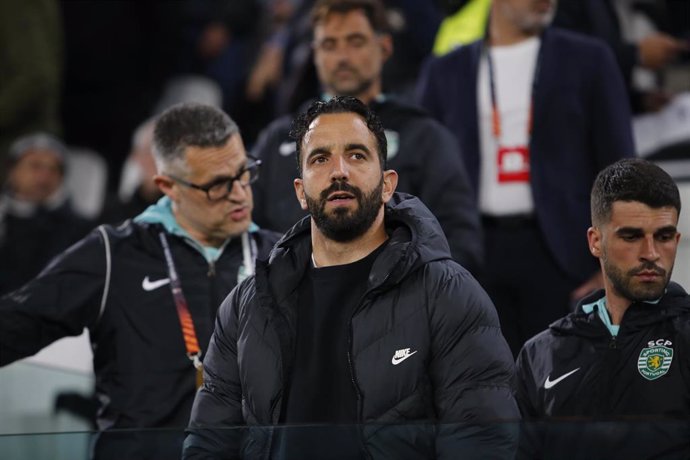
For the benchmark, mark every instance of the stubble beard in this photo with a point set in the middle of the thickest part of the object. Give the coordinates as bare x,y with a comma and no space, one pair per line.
625,285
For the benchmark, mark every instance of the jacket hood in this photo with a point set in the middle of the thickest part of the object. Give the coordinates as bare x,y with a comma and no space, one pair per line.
639,315
416,238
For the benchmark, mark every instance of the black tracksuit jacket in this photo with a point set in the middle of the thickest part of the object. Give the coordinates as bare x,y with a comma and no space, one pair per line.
579,377
143,377
427,407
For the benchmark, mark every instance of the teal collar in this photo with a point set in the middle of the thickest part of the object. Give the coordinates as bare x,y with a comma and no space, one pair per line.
161,213
603,313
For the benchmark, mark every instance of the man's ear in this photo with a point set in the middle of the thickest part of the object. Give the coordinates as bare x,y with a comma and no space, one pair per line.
299,193
594,241
390,182
386,43
167,186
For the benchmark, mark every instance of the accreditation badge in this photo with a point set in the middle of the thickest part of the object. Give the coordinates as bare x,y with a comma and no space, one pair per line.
513,164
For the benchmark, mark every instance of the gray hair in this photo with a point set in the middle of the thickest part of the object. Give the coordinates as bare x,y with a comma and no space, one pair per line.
189,125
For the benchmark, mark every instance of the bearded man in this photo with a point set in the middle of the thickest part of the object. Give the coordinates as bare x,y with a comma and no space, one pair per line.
360,337
623,355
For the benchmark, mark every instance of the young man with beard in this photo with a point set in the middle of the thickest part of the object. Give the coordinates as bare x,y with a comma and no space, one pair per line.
360,330
624,352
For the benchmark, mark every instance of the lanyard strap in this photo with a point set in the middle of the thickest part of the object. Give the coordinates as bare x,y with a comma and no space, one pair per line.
495,113
188,332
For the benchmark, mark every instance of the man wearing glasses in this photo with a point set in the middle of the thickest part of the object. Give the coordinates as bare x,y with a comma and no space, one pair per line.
148,289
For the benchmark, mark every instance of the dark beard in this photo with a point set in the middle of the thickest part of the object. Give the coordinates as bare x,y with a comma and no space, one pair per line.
344,225
623,282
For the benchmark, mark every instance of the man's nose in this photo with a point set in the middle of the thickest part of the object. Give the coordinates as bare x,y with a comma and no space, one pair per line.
238,192
339,168
650,251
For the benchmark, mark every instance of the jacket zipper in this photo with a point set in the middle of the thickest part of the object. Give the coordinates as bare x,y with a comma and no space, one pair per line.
613,343
359,396
360,421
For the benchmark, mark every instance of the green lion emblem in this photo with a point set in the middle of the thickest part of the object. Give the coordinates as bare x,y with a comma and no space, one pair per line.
654,362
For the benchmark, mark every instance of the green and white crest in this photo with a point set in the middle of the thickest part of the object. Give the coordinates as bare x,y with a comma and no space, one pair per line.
654,362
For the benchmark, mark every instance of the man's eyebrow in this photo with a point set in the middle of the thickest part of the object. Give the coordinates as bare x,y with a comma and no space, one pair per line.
224,177
629,231
356,146
639,231
325,150
666,229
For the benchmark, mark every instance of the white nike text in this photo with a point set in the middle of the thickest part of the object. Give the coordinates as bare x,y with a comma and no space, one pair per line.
401,355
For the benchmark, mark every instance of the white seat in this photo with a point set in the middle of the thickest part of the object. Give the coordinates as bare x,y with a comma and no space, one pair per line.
86,181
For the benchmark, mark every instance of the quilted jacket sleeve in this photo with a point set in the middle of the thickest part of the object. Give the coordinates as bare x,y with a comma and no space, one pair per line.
213,431
473,374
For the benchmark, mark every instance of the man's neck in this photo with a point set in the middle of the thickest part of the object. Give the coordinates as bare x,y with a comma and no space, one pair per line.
327,252
616,306
503,32
205,240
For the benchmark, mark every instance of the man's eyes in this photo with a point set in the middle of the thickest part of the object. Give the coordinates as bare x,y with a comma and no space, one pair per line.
323,158
665,237
630,237
661,237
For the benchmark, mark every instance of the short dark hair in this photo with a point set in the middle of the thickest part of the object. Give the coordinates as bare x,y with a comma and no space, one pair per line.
189,125
372,9
632,179
339,104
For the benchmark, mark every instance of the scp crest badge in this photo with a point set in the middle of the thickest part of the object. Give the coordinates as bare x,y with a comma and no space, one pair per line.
655,360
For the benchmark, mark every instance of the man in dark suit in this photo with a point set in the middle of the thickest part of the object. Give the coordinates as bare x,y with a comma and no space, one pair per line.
537,113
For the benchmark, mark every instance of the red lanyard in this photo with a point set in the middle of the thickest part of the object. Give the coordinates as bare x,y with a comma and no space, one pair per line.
495,112
188,332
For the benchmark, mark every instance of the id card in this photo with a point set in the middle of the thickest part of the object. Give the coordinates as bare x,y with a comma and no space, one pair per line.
513,164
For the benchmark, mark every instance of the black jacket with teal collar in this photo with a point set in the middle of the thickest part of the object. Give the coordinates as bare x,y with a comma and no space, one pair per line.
113,282
576,373
427,407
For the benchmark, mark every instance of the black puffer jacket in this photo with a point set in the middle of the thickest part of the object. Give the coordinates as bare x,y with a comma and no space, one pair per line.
417,298
576,373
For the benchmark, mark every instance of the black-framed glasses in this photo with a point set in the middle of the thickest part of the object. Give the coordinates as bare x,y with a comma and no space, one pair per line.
220,188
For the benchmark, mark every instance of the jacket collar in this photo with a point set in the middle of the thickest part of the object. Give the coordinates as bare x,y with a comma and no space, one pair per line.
586,322
416,238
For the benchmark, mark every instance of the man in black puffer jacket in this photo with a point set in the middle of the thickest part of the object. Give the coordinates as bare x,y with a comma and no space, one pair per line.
360,318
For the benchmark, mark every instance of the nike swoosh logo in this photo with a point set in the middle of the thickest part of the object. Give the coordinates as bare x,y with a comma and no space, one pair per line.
397,361
551,383
148,285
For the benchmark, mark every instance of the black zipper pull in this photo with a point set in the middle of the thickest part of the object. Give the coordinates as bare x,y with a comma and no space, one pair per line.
613,343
